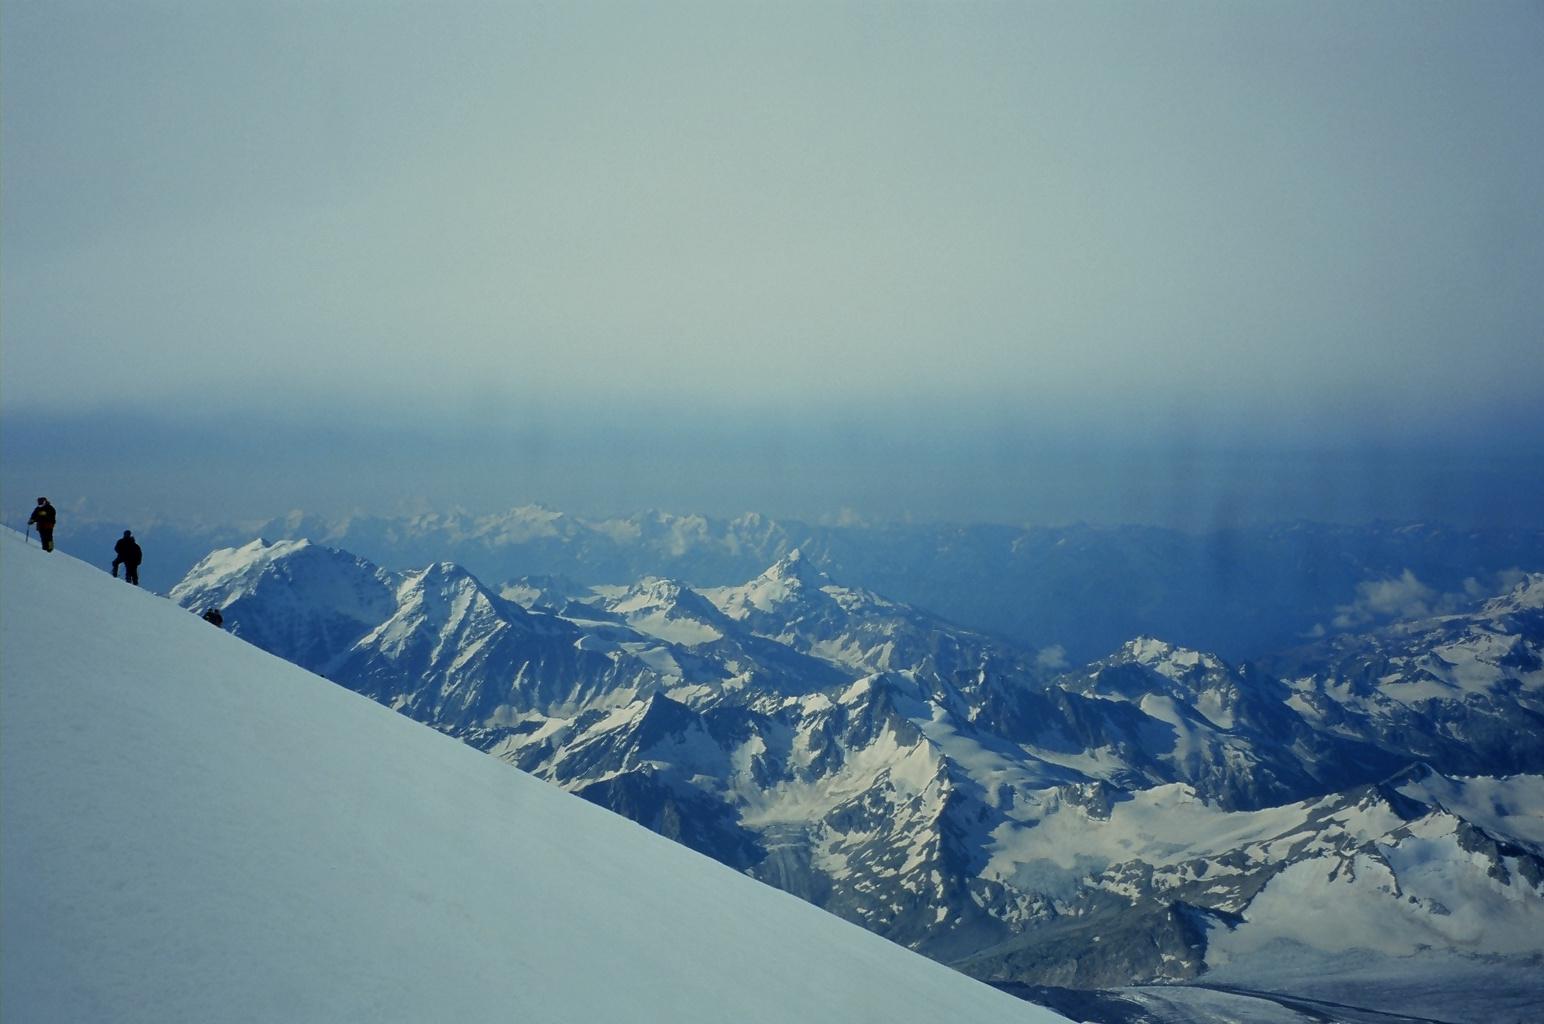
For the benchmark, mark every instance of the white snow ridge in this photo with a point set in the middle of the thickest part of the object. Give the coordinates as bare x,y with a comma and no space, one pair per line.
194,830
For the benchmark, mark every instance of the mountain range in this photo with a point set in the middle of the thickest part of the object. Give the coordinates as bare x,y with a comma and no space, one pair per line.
1160,814
1074,592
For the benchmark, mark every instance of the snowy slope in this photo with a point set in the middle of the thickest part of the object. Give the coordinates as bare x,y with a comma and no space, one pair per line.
195,830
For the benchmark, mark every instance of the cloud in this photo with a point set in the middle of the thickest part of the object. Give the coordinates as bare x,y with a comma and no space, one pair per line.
1052,658
1497,583
1404,597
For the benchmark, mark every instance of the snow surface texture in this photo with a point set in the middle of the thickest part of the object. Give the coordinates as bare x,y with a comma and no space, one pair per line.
195,830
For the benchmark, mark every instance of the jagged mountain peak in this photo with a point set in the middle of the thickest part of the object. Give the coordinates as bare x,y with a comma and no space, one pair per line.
445,593
789,583
1526,595
1387,797
661,716
659,592
253,555
793,558
1166,658
883,685
1149,666
796,567
262,555
442,573
445,580
274,589
1147,649
669,610
276,548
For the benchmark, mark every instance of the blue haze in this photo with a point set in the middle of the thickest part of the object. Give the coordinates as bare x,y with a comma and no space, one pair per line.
1190,264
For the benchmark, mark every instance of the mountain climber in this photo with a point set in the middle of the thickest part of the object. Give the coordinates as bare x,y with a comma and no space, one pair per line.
129,556
214,617
44,517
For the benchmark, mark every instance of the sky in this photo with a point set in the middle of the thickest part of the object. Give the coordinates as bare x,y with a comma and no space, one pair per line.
1005,261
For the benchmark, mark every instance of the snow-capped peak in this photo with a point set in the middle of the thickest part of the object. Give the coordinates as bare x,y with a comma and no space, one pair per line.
666,609
1166,659
1146,649
447,594
1526,595
656,593
793,568
306,580
249,558
789,580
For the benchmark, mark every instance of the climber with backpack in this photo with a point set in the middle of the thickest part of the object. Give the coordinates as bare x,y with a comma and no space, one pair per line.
129,556
44,517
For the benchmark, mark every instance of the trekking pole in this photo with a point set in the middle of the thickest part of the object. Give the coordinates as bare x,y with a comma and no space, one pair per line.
29,535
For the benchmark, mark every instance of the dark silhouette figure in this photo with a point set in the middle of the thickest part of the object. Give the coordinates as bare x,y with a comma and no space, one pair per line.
213,616
44,517
129,555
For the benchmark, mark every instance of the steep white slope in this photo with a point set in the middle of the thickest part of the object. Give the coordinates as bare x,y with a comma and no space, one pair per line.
194,830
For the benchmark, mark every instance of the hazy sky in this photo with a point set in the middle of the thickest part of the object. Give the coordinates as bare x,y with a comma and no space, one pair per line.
738,246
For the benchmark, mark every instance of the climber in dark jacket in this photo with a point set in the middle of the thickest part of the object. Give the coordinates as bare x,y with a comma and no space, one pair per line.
214,618
44,517
129,556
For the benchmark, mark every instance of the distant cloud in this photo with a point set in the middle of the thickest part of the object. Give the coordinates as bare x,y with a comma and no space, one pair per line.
846,516
1052,657
1405,597
1499,583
